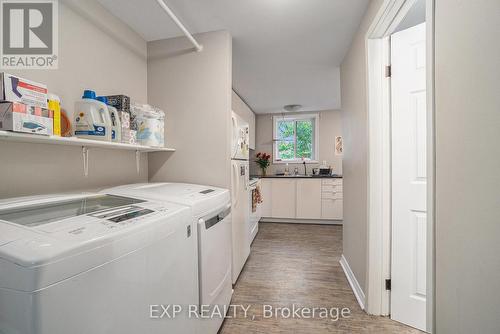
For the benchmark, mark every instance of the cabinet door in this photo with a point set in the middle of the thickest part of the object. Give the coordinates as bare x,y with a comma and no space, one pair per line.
332,208
308,199
283,198
244,111
251,123
265,207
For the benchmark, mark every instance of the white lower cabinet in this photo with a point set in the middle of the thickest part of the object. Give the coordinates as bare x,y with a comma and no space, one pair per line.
332,199
283,199
302,198
308,199
266,193
331,209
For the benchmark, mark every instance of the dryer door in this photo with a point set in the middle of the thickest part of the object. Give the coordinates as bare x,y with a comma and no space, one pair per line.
214,265
214,238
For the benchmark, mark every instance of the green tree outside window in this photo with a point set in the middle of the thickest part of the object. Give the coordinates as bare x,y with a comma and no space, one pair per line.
295,139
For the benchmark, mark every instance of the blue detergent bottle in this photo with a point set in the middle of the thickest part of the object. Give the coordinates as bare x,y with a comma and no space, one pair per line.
91,118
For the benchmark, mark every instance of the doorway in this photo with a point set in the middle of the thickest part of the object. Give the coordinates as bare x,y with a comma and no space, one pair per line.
401,163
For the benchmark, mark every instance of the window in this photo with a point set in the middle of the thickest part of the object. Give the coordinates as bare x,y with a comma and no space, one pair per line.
295,138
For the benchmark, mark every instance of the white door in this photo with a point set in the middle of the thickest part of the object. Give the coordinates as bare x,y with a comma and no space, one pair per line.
409,177
240,216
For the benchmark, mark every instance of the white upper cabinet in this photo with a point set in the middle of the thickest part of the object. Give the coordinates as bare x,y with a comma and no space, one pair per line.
242,109
308,199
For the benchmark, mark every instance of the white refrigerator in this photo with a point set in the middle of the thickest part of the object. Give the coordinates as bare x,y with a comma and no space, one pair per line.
239,194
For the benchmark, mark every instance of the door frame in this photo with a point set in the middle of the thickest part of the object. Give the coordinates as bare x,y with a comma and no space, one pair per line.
377,44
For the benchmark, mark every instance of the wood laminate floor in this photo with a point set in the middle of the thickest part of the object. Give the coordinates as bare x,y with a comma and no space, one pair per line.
299,264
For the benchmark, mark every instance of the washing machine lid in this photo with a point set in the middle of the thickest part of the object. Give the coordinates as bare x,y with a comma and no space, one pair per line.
47,239
202,199
39,212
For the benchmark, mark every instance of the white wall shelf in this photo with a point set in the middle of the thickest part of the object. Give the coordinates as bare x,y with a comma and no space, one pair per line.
74,141
84,144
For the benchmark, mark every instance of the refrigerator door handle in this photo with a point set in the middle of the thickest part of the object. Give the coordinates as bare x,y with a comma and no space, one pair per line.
236,185
234,134
247,178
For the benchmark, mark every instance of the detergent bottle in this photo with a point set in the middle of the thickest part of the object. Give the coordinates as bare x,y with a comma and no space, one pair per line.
116,126
92,118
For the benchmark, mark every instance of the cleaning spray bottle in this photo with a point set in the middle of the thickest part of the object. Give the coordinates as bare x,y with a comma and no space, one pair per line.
92,118
54,104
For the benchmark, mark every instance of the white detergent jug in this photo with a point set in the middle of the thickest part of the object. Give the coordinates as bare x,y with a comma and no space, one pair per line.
92,118
116,125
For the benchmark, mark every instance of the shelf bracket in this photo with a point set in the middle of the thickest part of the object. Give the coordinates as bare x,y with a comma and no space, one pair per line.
138,161
85,159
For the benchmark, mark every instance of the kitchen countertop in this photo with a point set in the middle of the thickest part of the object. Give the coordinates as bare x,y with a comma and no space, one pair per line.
334,176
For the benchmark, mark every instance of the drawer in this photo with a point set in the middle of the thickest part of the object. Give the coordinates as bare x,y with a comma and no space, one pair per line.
331,188
332,209
330,195
331,182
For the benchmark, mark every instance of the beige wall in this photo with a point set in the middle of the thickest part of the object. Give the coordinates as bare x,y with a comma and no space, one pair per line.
106,56
355,129
467,166
330,126
194,89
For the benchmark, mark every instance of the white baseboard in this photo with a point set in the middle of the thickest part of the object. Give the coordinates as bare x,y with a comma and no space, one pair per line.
301,221
353,282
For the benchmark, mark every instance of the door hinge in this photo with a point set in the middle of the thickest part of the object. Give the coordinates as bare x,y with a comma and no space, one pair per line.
388,71
388,284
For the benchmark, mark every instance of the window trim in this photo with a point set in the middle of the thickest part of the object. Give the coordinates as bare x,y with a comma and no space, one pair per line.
297,117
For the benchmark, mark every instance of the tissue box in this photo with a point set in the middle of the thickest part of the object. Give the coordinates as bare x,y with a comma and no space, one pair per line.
120,102
17,89
19,117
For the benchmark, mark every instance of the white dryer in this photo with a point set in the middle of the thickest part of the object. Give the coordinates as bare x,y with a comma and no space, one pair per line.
94,264
211,209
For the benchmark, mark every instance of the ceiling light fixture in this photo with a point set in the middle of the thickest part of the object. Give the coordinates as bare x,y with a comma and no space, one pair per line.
292,107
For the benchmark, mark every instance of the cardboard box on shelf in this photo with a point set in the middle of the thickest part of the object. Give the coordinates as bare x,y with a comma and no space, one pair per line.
17,89
18,117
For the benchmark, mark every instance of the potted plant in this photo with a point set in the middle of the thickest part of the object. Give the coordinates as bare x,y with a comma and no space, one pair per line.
263,160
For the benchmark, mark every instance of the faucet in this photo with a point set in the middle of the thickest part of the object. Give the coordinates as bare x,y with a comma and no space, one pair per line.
305,168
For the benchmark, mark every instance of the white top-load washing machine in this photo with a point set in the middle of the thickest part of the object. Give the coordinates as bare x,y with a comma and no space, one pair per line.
211,209
95,264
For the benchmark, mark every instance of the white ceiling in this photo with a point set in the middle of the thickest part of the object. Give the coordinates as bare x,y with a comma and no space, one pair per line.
284,51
